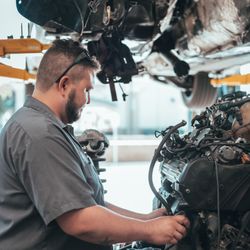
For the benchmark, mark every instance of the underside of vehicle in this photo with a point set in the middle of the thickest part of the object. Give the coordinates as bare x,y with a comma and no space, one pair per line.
175,41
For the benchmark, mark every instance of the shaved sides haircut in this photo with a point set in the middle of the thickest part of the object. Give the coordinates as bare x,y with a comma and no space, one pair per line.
57,59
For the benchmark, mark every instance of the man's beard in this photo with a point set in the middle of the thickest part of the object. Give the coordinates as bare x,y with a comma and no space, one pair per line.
72,112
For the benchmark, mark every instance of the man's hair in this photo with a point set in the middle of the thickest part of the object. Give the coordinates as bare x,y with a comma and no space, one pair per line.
57,59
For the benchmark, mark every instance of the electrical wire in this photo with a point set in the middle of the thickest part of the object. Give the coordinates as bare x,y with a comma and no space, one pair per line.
161,133
81,17
218,202
124,95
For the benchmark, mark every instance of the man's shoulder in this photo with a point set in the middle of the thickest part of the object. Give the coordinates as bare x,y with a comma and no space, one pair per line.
31,123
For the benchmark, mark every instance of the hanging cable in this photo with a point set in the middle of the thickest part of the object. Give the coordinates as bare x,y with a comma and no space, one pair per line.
124,95
81,17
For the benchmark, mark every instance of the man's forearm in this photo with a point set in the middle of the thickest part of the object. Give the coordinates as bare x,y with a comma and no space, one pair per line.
126,212
113,227
100,225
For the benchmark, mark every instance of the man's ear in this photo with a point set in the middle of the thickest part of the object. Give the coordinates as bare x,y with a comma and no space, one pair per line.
63,85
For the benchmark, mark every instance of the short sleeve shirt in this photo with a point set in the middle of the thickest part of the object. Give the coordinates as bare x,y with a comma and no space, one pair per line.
44,173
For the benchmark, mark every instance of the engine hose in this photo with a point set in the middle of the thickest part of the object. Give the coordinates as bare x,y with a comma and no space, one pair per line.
187,146
152,164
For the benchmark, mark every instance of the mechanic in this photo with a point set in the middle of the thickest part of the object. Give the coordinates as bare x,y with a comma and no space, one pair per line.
50,195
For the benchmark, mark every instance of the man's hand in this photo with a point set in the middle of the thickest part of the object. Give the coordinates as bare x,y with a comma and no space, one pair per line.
167,229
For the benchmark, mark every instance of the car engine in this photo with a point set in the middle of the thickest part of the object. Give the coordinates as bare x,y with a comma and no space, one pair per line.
205,175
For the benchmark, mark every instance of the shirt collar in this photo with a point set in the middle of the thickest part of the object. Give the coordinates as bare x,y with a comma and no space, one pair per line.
33,103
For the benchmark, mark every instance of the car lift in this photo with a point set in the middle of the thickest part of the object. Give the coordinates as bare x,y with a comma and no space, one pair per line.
233,80
19,46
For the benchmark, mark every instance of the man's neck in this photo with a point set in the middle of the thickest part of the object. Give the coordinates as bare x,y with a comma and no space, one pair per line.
49,99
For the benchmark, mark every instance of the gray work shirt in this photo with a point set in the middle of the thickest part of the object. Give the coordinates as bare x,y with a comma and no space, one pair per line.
43,174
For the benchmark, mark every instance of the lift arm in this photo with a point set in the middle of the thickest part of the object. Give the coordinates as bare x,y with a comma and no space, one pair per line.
19,46
233,80
22,45
8,71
